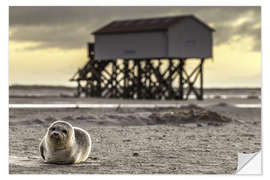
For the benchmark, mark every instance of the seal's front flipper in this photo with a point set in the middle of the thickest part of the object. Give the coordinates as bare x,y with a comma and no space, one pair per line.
41,149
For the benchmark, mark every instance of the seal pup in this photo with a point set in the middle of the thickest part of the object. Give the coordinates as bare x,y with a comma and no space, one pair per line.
64,144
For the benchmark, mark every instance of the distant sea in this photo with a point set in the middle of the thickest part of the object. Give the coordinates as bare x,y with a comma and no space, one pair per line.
62,91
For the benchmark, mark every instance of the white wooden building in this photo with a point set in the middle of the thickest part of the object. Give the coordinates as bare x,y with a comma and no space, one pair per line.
146,59
167,37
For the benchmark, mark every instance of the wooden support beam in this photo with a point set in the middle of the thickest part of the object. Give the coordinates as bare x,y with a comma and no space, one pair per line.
126,78
201,82
139,79
79,89
181,79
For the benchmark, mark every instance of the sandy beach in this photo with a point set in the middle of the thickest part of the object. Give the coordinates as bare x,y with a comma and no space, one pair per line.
187,140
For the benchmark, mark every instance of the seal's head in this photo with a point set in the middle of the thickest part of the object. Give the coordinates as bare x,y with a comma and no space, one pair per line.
60,134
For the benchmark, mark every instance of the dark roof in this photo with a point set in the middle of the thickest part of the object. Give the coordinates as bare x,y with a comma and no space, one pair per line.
142,25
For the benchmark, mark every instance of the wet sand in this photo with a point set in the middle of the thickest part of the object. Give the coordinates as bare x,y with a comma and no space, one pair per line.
131,141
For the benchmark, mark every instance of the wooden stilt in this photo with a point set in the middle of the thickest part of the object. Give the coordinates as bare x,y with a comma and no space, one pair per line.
201,82
181,79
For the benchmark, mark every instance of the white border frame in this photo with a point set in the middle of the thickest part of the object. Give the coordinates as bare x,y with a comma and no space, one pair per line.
265,64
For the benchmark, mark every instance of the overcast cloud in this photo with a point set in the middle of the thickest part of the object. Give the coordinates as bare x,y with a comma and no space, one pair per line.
71,27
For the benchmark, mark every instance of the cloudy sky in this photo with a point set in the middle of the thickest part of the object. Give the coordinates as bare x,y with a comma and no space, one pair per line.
48,44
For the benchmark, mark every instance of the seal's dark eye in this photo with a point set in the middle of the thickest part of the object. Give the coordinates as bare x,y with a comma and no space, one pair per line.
53,129
64,131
